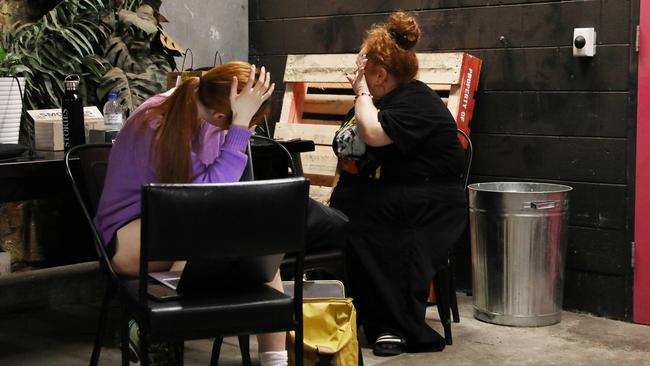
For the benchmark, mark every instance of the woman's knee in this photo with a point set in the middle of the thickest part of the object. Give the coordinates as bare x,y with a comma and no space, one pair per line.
326,226
126,264
276,282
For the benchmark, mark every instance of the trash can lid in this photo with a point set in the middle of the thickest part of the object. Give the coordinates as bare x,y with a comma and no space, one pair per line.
519,187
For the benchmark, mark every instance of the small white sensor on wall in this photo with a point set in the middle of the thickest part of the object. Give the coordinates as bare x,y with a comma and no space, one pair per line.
584,42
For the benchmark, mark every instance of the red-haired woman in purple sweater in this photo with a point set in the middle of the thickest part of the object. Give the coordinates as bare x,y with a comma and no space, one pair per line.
197,133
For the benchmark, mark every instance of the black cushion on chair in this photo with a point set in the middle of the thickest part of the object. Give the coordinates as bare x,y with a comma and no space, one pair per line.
255,310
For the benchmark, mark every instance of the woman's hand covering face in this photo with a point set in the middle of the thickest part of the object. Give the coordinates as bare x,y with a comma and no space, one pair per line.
358,78
246,103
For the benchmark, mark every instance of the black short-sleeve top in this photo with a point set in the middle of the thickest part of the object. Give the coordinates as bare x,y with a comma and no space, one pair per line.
425,144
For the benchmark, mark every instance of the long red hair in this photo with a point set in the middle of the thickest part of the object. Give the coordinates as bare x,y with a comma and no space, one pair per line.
180,120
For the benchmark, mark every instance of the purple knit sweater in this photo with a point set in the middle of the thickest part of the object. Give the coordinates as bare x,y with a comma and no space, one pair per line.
217,156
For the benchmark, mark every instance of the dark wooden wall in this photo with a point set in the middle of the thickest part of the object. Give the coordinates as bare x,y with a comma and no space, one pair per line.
541,114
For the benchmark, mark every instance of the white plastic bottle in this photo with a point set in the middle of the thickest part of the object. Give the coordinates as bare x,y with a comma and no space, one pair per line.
113,116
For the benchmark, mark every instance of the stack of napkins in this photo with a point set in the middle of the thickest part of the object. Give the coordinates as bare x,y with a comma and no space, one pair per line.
48,126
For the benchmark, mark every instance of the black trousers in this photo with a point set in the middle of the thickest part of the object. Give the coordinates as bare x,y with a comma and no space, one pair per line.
326,226
399,234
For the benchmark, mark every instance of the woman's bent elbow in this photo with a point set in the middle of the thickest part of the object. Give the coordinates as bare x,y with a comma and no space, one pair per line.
376,139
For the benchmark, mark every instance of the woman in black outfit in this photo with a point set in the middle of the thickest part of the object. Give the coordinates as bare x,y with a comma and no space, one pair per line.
400,164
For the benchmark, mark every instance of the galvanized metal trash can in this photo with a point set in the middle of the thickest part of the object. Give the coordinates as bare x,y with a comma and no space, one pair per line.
518,239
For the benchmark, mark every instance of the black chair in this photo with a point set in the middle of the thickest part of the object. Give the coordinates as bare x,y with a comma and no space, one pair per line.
190,213
257,311
87,183
330,259
443,281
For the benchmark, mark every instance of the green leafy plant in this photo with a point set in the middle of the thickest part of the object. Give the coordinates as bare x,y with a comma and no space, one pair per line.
66,40
137,72
104,42
10,65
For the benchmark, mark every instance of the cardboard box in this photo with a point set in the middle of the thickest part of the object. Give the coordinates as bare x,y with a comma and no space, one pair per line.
48,126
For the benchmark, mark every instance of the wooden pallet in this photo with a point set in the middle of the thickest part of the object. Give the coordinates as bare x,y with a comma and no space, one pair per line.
317,96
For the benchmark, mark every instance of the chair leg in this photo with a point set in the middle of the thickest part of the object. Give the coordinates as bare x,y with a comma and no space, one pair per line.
454,306
101,327
124,335
144,346
216,350
244,348
299,346
441,281
452,292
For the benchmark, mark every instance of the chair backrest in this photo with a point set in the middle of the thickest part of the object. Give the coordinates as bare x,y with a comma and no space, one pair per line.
223,220
249,172
93,160
468,156
94,163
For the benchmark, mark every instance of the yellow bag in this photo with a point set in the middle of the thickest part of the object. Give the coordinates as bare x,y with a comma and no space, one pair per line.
330,333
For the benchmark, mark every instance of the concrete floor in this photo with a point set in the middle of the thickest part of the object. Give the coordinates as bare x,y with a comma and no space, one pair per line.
63,336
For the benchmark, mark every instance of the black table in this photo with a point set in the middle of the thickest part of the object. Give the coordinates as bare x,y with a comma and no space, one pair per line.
61,232
39,176
65,236
269,162
43,174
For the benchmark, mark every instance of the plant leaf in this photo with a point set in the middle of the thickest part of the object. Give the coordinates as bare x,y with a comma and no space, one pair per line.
132,89
71,41
118,54
86,37
142,19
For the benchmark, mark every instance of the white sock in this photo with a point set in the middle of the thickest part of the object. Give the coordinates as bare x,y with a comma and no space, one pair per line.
278,358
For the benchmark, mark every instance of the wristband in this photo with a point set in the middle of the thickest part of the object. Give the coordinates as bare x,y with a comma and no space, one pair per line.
361,94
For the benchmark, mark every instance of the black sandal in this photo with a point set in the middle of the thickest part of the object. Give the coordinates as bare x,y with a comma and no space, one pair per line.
388,344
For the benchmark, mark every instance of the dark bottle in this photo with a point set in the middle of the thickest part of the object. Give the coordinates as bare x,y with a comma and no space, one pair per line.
72,113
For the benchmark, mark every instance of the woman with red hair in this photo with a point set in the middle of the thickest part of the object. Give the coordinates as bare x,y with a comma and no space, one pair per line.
400,164
196,133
